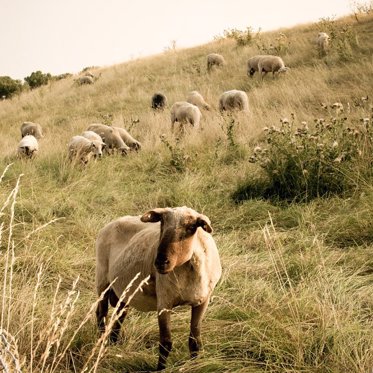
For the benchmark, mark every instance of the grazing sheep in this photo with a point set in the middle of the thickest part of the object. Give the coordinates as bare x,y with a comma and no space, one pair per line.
214,59
322,43
34,129
159,101
86,79
93,136
252,64
234,99
28,146
179,254
272,64
184,112
83,149
128,139
110,136
196,98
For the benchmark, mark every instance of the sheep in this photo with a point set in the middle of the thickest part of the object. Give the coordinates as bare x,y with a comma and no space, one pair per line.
110,136
214,59
252,64
82,149
30,128
159,101
28,147
196,98
175,248
184,112
322,43
272,64
233,99
128,139
90,135
93,136
86,79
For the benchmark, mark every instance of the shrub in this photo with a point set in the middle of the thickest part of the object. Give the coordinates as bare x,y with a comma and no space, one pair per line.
342,37
9,87
179,159
279,47
37,79
61,76
242,38
300,163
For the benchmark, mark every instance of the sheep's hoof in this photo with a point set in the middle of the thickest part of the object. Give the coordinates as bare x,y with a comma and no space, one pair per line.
113,338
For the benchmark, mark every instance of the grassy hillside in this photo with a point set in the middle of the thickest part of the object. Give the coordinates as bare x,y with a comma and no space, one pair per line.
296,293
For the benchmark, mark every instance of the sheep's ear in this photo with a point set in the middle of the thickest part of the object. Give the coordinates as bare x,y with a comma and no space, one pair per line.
204,222
153,216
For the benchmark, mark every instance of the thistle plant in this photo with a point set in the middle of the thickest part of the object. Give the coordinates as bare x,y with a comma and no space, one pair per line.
304,161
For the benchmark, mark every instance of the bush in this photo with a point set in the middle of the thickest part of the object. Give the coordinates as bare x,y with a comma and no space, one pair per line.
9,87
301,164
37,79
280,46
242,38
61,76
342,37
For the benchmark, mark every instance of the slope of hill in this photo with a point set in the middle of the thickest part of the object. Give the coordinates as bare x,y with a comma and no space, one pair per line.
296,290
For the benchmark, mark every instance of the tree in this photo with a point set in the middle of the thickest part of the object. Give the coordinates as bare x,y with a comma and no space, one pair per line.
9,86
37,79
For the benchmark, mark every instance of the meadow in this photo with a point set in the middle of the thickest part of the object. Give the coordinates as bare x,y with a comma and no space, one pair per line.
296,294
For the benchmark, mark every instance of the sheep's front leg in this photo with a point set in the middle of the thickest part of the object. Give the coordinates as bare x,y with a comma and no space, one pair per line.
195,328
165,342
102,311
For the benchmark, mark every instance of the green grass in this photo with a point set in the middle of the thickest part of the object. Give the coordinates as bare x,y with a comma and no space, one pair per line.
297,284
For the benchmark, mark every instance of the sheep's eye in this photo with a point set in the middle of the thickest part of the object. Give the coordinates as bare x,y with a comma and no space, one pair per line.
192,227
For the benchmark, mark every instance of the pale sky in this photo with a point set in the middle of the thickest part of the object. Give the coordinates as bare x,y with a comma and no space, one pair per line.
60,36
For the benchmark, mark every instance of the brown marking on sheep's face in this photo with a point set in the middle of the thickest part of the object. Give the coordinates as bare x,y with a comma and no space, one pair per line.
178,227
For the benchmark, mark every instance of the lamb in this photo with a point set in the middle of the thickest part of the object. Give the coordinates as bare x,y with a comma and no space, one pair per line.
322,43
28,147
110,136
30,128
252,64
82,149
159,101
272,64
128,139
234,99
175,248
184,112
196,98
214,59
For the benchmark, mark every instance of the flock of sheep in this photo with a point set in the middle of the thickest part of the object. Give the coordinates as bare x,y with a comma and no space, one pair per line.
162,241
92,143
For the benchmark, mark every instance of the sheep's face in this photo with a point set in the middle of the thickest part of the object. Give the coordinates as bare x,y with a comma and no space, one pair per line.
96,148
251,72
178,227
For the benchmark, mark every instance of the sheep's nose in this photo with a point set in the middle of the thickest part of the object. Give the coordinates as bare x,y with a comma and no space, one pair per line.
161,262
